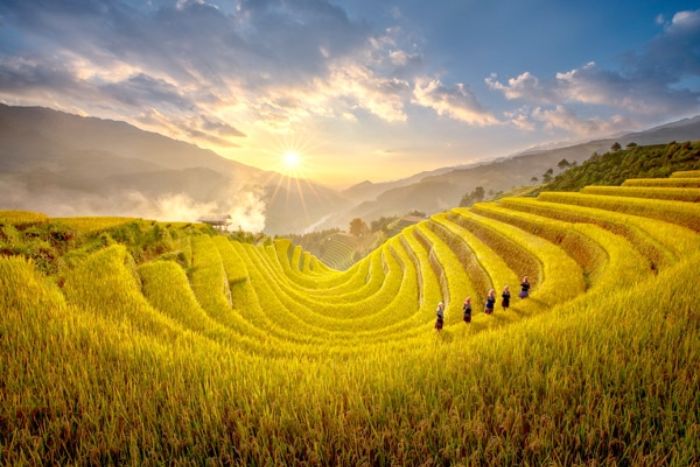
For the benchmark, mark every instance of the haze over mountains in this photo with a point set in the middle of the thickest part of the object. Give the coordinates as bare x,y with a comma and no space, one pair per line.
443,188
67,165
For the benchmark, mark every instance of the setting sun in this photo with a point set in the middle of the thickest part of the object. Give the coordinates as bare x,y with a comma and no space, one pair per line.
291,160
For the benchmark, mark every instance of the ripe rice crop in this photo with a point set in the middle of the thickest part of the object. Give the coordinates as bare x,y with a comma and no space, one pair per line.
21,217
670,193
153,343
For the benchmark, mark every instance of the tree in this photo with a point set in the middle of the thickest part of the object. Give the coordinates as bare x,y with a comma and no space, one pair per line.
547,176
616,146
473,197
534,179
632,145
563,164
358,227
382,224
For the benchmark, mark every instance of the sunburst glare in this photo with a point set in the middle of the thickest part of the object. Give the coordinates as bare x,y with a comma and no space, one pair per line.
291,161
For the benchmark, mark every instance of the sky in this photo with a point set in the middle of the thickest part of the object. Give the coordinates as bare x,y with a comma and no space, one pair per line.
360,89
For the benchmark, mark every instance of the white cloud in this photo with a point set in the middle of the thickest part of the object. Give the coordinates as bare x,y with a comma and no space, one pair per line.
398,57
525,85
520,118
686,19
592,85
383,97
563,118
456,102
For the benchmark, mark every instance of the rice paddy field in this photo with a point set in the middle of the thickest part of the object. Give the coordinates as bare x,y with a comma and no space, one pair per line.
124,341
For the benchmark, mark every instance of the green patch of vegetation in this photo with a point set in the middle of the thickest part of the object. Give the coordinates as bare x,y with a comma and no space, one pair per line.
617,165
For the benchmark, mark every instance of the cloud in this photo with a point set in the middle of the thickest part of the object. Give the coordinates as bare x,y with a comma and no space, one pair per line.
220,127
592,85
195,70
520,118
348,87
685,19
647,85
247,212
394,50
381,96
563,118
140,89
524,86
456,102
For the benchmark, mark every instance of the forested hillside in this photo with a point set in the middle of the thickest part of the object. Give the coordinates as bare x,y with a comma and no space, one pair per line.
617,165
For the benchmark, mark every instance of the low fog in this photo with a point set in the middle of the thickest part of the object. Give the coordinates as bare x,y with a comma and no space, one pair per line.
244,209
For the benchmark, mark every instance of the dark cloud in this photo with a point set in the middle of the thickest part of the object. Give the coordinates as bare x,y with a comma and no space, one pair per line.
221,128
210,138
23,75
299,35
142,89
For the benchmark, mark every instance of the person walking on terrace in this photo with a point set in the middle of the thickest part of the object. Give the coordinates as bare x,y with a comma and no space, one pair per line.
505,303
467,310
524,287
490,302
440,321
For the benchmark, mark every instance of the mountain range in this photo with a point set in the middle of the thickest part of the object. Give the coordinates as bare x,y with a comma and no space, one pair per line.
443,188
65,164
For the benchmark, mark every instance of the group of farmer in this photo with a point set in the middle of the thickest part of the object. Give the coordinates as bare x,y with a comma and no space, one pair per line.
490,303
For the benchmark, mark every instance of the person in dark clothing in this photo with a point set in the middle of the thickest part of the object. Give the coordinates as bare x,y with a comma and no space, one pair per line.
467,310
440,321
524,287
490,302
505,303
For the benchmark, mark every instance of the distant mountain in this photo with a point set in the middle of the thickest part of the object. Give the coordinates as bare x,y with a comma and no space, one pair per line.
65,164
434,191
37,135
367,190
294,204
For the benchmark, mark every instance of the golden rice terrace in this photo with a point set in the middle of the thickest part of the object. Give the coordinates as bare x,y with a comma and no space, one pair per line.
204,349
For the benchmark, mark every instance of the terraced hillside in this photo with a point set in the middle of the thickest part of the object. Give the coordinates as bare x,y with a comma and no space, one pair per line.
339,251
211,350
